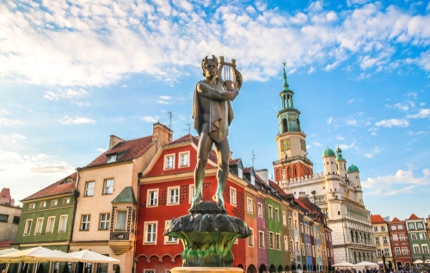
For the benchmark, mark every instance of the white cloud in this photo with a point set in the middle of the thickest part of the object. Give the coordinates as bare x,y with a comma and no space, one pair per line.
405,106
401,182
423,113
329,120
317,144
376,150
340,138
351,101
351,122
6,121
150,119
393,122
76,120
65,94
346,146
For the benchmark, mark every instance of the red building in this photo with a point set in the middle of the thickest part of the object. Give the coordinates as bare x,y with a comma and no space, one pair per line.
166,189
399,244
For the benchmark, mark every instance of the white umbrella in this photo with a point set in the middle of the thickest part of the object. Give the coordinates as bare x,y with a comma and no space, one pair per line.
344,264
7,251
418,261
39,254
365,263
88,256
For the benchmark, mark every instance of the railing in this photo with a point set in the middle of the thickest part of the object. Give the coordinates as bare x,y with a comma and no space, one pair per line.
293,158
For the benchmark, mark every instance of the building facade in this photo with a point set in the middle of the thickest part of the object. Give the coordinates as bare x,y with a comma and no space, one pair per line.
337,191
382,240
400,248
418,239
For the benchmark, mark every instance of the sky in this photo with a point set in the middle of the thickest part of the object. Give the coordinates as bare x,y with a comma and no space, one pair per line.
74,72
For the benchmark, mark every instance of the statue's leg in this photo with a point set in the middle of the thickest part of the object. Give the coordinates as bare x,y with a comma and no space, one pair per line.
223,155
203,149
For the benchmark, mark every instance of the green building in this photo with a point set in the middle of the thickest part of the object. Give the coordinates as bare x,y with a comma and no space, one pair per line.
418,238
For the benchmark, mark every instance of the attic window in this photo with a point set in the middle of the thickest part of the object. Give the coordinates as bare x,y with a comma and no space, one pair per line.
111,158
252,179
240,172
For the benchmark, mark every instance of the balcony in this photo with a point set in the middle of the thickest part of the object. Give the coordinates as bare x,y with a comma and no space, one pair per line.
120,242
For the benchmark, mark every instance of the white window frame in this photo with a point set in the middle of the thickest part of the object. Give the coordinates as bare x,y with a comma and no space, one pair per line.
153,224
278,241
60,223
125,219
39,226
27,228
402,237
397,250
395,237
416,249
108,188
181,155
251,238
405,250
276,214
270,211
42,204
413,237
249,205
148,198
66,201
89,191
169,240
261,243
103,222
32,206
87,222
393,227
284,218
50,222
400,227
191,192
171,202
54,202
285,242
425,248
260,210
271,240
233,196
169,162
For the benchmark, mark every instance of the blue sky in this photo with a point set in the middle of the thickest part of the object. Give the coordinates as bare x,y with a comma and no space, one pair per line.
74,72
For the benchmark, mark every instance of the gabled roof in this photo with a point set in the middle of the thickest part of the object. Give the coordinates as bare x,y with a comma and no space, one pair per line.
314,209
125,150
186,138
235,162
125,196
377,219
396,220
59,187
413,217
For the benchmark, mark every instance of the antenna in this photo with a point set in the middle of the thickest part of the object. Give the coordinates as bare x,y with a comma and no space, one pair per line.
188,128
253,155
170,118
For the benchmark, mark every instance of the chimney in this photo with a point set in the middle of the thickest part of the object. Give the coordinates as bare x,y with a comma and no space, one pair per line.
161,134
263,174
114,140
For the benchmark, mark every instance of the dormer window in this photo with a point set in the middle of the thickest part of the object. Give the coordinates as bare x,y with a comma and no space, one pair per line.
111,158
252,179
240,172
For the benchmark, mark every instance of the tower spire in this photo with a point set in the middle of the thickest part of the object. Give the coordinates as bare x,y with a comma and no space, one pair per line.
286,86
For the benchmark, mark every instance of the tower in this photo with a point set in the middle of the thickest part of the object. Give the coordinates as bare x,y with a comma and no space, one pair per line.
291,140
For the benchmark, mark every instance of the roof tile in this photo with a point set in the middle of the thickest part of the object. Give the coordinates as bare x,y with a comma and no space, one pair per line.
56,188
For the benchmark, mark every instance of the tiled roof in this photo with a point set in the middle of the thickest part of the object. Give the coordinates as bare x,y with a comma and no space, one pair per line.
126,150
377,219
277,187
56,188
186,138
311,206
125,196
396,220
234,162
413,216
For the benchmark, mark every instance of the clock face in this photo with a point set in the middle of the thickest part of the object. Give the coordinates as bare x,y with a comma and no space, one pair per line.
291,117
285,145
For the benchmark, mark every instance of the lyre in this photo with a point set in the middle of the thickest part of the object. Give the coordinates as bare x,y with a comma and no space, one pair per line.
227,72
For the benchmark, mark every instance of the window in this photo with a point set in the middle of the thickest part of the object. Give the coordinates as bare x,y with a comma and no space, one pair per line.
50,224
395,237
382,228
169,161
108,186
192,192
276,215
284,218
422,236
32,206
169,239
42,205
120,221
249,205
85,222
173,196
377,240
397,249
411,226
39,225
400,227
385,240
393,228
15,220
62,224
104,221
296,226
150,232
89,189
251,238
66,201
232,196
184,159
111,159
420,225
270,211
379,252
27,228
303,249
416,249
301,227
148,271
387,252
402,237
261,239
4,218
260,210
54,203
271,240
375,229
425,249
405,250
285,243
413,237
152,199
278,241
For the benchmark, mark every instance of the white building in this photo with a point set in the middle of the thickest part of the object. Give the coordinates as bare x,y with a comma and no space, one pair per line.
337,191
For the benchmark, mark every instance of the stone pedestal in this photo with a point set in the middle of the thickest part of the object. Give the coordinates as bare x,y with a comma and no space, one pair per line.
207,236
206,270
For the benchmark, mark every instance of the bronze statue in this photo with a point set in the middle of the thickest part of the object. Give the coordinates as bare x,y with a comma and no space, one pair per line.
212,114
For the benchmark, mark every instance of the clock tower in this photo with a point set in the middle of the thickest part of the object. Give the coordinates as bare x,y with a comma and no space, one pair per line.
291,140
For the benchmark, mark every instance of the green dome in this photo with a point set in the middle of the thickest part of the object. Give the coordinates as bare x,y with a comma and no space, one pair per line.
353,168
339,154
328,152
340,158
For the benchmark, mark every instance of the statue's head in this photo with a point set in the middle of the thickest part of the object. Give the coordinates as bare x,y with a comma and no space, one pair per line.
207,61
